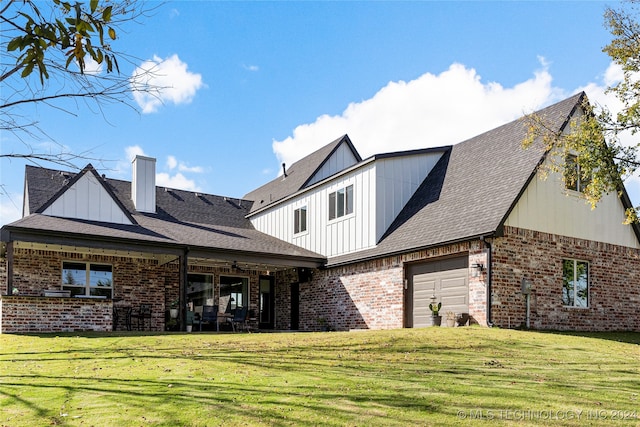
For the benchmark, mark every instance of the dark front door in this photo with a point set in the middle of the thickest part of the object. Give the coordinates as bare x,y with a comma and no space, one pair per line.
266,303
295,306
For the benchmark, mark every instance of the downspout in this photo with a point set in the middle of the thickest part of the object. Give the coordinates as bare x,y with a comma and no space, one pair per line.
489,274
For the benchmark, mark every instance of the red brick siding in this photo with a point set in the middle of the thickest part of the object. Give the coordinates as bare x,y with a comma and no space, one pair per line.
370,294
614,294
22,314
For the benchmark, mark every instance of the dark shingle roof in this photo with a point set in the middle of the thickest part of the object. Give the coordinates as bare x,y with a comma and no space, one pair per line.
183,218
298,174
471,190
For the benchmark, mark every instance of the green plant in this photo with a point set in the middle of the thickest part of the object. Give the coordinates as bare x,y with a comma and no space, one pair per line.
435,308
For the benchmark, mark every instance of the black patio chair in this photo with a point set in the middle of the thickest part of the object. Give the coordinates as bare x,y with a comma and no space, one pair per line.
239,319
209,315
120,311
144,312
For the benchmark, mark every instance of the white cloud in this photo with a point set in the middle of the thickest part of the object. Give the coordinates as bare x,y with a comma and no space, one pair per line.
432,110
161,81
435,110
172,162
177,181
251,67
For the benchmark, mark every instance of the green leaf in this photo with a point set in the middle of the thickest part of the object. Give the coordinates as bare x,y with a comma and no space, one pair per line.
94,5
27,70
14,44
106,14
112,33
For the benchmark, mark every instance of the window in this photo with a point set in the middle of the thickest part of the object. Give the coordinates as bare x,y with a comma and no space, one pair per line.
341,202
87,279
235,290
199,290
575,283
573,175
300,220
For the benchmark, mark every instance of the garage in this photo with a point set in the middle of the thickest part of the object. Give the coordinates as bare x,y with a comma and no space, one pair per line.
447,279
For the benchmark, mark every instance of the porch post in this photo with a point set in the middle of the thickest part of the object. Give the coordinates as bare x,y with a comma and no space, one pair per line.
9,261
182,313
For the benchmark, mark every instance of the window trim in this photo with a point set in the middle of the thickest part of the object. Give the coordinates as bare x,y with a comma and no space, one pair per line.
87,284
348,202
297,229
575,290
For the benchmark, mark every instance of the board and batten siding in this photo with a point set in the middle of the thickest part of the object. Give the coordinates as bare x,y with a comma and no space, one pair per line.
570,214
397,179
381,188
87,199
340,160
343,235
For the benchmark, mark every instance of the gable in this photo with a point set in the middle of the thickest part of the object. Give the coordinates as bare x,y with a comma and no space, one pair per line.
299,174
547,206
340,159
86,198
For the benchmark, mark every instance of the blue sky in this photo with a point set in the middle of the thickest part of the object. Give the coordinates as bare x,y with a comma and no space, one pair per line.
255,84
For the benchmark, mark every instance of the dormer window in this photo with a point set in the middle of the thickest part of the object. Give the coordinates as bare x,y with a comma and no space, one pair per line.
300,220
573,178
341,202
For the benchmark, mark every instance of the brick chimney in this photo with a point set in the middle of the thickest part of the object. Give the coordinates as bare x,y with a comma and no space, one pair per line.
143,184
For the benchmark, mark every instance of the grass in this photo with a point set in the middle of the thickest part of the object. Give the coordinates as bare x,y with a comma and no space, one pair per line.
432,376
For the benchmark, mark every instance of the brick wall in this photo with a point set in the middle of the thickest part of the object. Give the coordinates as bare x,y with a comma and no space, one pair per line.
22,314
614,292
370,295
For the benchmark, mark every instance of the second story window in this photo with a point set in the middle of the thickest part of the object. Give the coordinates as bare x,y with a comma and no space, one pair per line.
300,220
573,175
341,202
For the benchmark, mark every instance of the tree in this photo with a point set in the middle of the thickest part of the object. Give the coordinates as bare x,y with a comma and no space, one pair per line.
604,162
57,51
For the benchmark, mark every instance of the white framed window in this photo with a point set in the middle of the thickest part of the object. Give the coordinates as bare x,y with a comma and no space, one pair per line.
87,279
300,220
575,283
573,178
341,202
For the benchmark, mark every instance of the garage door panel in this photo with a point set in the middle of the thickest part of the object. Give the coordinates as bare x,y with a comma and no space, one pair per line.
450,287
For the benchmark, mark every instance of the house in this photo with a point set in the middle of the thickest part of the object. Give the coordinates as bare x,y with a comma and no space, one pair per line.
336,241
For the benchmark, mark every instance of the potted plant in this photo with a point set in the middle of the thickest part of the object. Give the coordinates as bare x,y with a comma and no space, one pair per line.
435,313
451,319
190,316
173,310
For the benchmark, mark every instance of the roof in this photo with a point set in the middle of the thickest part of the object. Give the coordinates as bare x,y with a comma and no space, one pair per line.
297,175
471,190
183,219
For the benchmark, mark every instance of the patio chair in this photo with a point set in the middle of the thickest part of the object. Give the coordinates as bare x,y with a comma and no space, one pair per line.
144,312
239,319
210,316
117,312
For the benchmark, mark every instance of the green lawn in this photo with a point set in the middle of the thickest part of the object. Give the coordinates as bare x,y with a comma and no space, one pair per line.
431,376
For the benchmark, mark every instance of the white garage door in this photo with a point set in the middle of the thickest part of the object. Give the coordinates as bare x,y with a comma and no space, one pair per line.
451,287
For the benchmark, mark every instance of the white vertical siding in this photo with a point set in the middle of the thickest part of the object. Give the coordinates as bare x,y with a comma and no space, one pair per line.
341,159
380,191
397,179
330,238
548,207
143,184
87,199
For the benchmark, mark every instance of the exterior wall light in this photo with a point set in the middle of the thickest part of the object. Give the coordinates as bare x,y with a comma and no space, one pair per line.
477,269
